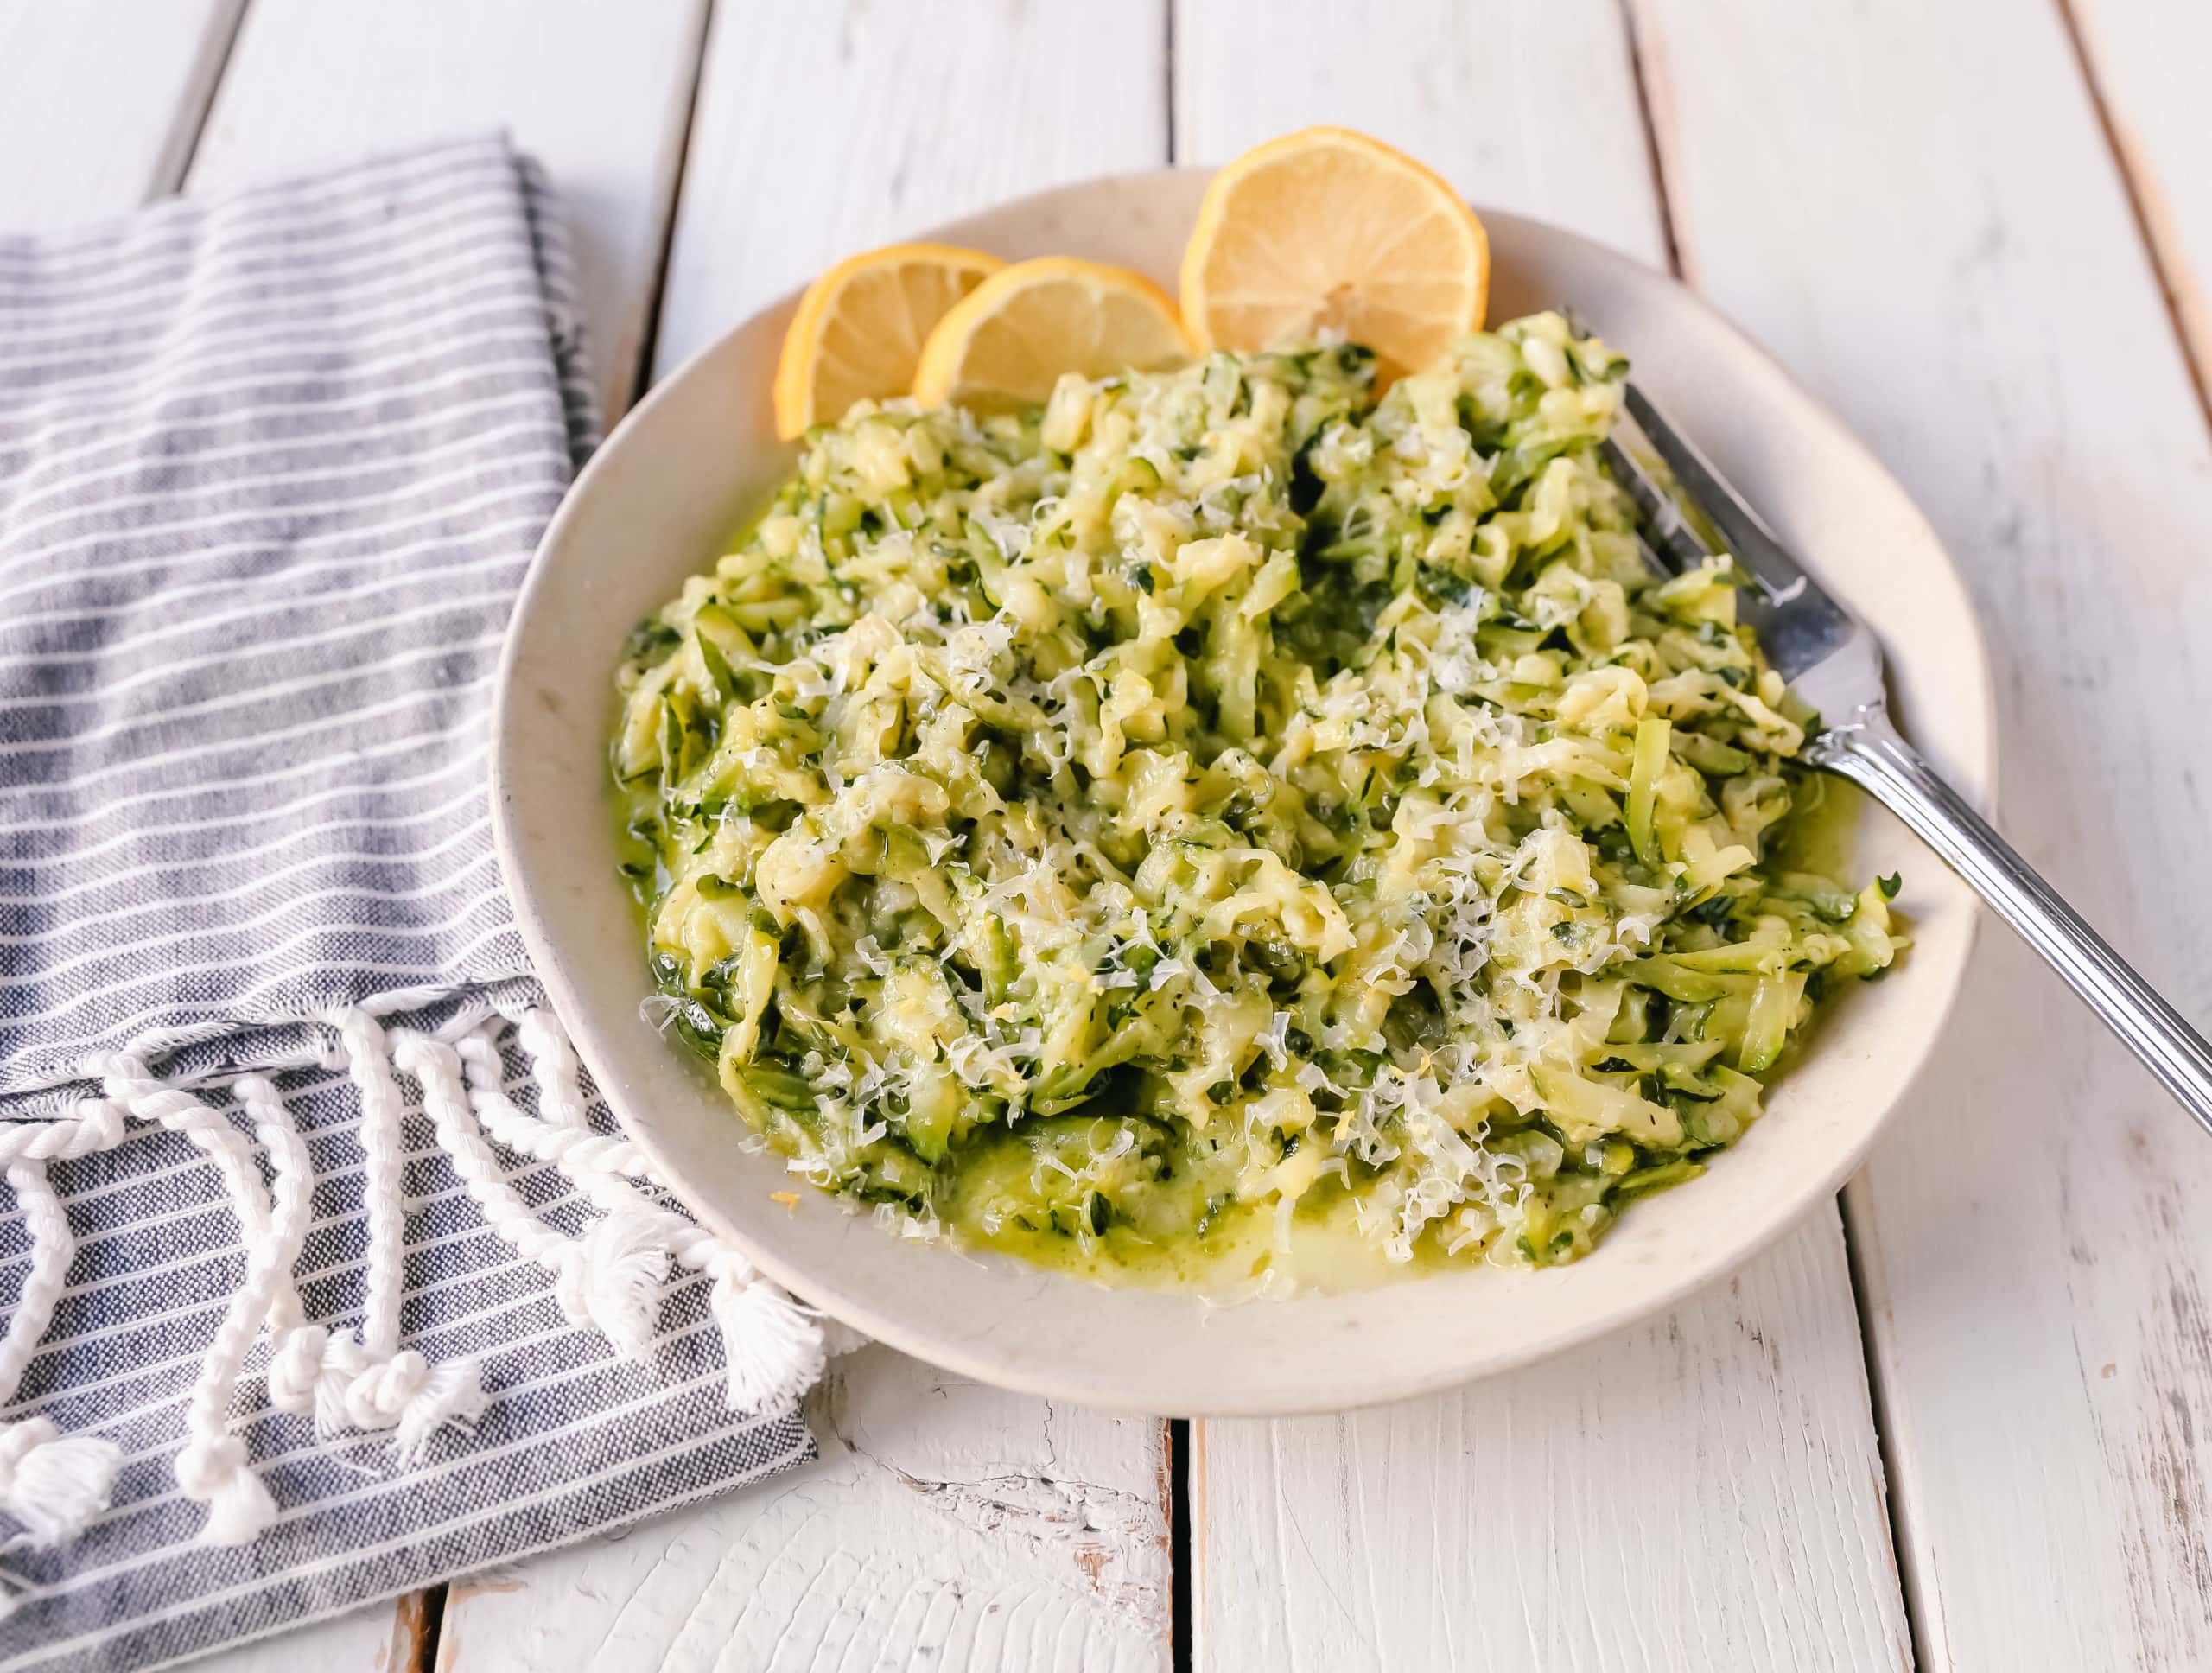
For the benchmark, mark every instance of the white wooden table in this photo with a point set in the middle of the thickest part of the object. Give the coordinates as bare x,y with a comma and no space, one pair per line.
1955,1424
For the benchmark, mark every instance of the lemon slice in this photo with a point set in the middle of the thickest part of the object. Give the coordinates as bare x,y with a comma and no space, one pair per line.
1006,343
1327,229
860,329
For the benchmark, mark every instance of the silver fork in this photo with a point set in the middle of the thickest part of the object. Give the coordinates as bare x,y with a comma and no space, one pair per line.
1835,664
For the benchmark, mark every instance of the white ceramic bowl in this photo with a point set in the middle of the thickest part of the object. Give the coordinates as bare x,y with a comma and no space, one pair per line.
672,484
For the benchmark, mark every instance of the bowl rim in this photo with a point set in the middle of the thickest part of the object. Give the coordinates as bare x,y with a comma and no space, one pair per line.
1976,778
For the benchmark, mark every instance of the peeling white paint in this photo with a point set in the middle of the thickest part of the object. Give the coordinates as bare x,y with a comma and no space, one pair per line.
947,1525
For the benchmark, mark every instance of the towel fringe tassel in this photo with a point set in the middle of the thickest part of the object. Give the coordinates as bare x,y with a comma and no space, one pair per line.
773,1348
52,1483
608,1279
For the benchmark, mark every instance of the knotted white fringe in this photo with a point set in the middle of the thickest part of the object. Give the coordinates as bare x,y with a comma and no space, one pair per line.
772,1349
608,1280
213,1466
53,1484
364,1380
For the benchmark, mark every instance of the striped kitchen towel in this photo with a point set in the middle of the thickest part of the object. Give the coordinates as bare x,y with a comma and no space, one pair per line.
326,1274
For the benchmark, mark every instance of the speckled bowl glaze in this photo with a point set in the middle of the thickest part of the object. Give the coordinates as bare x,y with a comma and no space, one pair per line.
657,505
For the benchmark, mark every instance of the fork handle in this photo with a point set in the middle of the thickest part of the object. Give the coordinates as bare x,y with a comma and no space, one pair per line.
1867,750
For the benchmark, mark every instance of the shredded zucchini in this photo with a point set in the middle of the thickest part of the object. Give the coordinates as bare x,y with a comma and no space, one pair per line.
1225,797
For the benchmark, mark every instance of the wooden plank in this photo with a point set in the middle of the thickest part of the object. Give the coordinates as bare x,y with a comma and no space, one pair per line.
824,128
101,104
1706,1492
948,1524
1701,1492
2147,62
1530,106
599,95
602,100
1962,278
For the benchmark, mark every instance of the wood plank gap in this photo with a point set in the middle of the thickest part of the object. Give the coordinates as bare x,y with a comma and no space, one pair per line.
1167,74
1178,1536
641,375
1893,1479
426,1637
199,100
1653,106
2184,309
